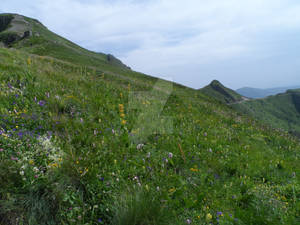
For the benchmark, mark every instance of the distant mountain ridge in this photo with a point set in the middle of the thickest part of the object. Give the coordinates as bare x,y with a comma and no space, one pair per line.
261,93
280,111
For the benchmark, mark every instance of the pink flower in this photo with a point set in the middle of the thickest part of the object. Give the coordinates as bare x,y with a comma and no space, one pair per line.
1,149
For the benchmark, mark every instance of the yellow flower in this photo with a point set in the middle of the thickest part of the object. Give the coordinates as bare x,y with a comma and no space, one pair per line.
172,190
123,122
31,162
29,61
122,115
208,216
194,170
54,165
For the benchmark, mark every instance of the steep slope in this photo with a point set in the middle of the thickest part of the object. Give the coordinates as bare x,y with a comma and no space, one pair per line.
30,35
99,144
218,91
280,111
261,93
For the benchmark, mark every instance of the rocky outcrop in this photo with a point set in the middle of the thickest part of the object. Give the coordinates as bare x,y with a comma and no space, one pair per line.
13,27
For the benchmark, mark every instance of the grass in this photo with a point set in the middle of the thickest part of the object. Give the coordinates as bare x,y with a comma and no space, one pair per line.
71,150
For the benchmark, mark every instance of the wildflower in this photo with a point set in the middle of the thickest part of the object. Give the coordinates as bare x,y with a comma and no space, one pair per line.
219,214
42,103
123,122
22,173
194,170
172,190
100,220
208,216
29,61
139,146
148,155
170,155
188,221
1,149
31,162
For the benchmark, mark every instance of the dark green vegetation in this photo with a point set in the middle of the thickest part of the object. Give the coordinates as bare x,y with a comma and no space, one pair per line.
218,91
280,111
69,152
261,93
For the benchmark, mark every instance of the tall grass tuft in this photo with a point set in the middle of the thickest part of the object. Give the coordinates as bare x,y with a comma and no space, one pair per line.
141,207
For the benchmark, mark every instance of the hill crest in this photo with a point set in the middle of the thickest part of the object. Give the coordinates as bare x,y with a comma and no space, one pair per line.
24,33
223,94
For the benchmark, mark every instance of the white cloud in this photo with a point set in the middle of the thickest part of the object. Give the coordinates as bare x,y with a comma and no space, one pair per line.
168,37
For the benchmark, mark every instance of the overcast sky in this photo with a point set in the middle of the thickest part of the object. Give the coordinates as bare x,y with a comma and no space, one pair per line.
240,43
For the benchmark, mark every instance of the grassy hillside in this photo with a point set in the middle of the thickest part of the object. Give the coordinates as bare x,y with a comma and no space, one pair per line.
100,144
41,41
221,93
280,111
262,93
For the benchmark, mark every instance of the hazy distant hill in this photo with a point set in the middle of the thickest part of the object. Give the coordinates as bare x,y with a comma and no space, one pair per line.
261,93
221,93
280,111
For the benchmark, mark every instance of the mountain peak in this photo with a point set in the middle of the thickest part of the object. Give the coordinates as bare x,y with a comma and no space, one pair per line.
218,91
216,82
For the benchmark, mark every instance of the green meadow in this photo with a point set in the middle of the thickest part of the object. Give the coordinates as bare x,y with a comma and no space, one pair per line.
84,140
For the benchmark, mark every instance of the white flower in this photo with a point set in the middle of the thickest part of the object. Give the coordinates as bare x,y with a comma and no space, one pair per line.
139,146
170,155
188,221
22,173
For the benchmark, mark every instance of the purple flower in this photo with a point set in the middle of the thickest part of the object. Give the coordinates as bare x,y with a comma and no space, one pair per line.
170,155
219,213
42,103
100,220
